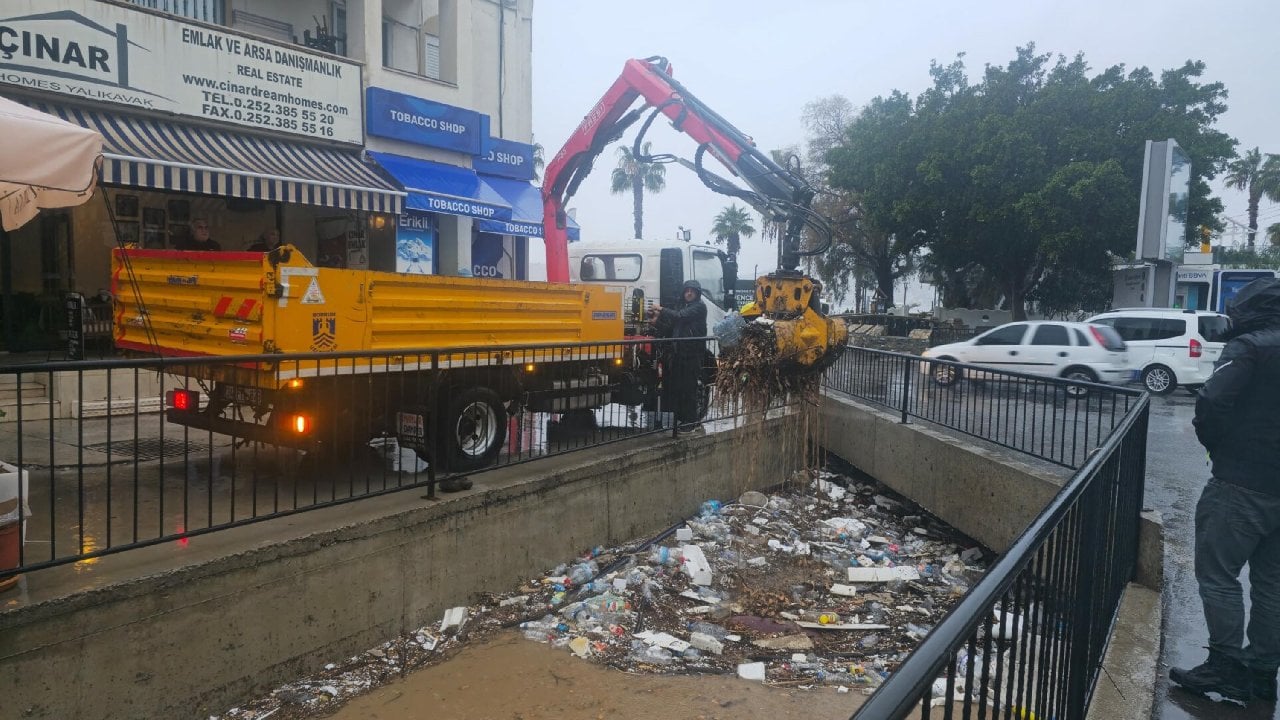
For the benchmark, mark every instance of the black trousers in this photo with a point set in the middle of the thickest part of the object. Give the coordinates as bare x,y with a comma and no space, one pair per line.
682,387
1235,526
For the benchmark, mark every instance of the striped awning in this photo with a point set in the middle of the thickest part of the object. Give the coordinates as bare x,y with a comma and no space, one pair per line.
157,154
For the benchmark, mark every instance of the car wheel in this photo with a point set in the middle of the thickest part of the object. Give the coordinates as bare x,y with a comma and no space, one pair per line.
945,375
472,430
1159,380
1077,375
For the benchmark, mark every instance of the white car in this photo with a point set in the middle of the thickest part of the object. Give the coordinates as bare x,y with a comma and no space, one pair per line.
1070,350
1170,347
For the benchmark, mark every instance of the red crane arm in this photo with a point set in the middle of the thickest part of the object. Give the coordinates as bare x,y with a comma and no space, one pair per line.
778,192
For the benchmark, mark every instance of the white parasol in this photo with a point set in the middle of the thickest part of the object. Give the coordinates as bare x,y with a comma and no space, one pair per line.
45,162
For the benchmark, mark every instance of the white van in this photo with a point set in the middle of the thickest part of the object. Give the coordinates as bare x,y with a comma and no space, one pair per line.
1169,347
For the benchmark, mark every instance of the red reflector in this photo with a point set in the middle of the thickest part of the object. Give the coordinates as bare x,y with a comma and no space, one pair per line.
184,399
1196,348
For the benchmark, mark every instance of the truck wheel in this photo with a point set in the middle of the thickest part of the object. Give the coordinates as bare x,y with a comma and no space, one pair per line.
472,428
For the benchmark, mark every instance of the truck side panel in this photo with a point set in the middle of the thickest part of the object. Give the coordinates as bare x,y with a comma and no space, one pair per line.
190,303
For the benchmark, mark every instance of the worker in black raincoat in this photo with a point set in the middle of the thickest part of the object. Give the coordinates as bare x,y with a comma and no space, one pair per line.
684,367
1238,515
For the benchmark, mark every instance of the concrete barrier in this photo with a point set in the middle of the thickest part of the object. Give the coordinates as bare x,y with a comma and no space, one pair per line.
257,606
961,481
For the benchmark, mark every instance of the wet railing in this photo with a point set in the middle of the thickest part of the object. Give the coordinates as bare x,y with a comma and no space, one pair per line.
1029,638
161,449
1060,421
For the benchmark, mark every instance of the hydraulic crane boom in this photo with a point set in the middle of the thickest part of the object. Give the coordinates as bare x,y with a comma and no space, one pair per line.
789,300
780,194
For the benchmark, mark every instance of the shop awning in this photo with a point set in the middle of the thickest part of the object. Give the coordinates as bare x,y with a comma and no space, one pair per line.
168,155
526,209
447,189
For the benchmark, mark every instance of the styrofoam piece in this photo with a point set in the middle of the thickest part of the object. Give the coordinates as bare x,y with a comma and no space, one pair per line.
706,643
840,626
684,535
882,574
695,565
663,640
453,618
751,671
844,590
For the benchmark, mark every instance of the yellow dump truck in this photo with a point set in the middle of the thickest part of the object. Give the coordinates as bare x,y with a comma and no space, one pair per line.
425,357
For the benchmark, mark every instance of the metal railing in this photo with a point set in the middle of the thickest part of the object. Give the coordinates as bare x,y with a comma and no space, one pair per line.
162,449
1056,420
1029,639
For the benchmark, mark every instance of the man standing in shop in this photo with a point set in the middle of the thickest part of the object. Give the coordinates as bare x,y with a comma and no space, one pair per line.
1238,516
688,321
200,237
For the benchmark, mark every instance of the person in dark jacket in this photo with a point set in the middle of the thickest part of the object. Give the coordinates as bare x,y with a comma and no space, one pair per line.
1238,516
687,321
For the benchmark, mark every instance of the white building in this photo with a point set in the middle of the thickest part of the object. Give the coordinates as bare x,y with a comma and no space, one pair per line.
382,134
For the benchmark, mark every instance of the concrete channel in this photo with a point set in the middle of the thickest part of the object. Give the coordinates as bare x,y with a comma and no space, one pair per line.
190,629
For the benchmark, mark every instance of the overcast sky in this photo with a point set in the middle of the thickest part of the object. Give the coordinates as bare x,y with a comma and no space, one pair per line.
758,63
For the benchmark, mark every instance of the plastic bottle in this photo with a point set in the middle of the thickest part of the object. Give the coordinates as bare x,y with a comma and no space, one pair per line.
706,628
663,555
582,573
711,508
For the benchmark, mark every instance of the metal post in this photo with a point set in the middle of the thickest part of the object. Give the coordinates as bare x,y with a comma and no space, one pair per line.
906,386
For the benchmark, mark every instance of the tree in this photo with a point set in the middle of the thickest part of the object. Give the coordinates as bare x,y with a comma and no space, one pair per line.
539,161
1273,234
1256,176
732,224
864,248
635,175
1024,186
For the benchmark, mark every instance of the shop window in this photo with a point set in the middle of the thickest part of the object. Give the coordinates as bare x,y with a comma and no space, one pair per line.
210,11
418,37
262,26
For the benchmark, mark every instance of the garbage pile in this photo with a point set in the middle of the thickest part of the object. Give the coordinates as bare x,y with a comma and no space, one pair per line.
829,582
833,585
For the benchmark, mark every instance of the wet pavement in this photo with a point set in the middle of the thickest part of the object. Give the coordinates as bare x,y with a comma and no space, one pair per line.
1176,473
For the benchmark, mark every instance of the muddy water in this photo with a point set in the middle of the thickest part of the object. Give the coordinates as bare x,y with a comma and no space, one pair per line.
510,678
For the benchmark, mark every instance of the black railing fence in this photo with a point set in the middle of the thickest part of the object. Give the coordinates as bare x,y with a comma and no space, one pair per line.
161,449
1029,638
1056,420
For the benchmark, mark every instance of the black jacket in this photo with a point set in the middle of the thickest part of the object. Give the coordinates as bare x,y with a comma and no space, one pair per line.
690,320
1238,409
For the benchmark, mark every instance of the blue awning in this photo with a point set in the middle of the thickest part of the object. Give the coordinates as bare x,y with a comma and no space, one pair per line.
526,209
448,189
157,154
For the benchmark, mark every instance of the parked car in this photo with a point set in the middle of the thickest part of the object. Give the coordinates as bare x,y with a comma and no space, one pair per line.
1170,347
1074,351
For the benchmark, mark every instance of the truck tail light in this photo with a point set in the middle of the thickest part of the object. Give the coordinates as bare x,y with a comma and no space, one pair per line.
1195,348
183,399
301,424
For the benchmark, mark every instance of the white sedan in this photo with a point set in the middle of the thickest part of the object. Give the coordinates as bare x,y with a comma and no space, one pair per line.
1074,351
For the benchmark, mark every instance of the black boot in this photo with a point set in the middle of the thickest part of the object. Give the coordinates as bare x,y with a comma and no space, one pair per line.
455,484
1220,674
1264,684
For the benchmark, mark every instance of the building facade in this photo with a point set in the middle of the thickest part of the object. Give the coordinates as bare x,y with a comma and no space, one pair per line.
372,134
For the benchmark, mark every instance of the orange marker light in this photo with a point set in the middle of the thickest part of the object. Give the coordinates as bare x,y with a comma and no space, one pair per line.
301,424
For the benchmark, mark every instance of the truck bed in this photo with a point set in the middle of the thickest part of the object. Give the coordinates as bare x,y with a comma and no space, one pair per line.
199,304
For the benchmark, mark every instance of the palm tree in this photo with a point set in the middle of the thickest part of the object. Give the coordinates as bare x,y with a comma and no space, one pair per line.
731,224
1257,176
539,161
637,175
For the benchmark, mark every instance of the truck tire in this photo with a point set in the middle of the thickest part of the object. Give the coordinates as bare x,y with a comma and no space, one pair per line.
473,426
